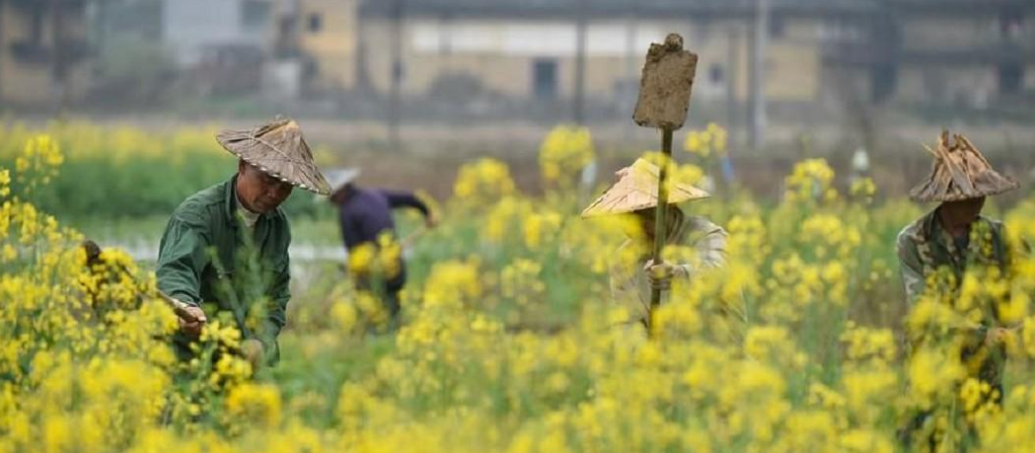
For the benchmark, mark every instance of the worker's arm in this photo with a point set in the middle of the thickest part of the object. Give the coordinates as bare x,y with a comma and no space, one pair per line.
910,267
711,254
406,200
182,257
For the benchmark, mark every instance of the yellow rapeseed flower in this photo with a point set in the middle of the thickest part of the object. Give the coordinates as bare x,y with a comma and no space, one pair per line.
563,154
258,405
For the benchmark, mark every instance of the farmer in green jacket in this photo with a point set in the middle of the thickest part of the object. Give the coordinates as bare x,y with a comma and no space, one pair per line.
937,250
226,248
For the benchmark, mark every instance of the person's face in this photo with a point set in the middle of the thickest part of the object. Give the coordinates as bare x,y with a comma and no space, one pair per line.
646,217
965,212
258,191
338,197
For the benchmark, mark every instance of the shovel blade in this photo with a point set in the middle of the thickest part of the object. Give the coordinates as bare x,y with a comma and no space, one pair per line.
665,86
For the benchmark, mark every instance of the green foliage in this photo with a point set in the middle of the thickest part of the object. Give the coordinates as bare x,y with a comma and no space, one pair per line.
115,172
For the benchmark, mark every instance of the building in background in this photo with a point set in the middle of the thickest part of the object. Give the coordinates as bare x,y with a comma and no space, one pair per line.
186,29
819,55
150,51
818,51
124,20
43,51
529,49
193,28
322,35
964,52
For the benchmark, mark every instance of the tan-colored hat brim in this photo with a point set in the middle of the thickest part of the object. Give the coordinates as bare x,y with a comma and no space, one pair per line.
960,172
279,150
638,190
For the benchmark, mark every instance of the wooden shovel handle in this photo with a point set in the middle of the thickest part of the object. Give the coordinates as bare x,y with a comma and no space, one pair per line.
178,307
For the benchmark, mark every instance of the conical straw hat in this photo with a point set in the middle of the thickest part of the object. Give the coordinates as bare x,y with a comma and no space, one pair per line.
339,177
960,172
638,189
278,149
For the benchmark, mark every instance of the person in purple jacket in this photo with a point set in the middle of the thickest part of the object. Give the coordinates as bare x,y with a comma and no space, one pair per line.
364,214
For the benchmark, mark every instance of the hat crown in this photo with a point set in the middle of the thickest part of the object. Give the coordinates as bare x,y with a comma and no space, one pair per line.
960,172
279,149
638,189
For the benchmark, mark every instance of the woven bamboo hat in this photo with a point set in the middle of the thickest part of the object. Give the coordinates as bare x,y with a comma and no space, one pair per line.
960,172
278,149
638,189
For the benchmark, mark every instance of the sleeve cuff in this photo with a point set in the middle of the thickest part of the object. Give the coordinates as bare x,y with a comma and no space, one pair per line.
185,298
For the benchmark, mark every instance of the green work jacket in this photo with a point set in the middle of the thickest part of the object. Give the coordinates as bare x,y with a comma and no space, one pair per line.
202,261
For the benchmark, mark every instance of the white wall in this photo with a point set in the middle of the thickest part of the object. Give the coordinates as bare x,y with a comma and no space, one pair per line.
621,44
532,38
188,26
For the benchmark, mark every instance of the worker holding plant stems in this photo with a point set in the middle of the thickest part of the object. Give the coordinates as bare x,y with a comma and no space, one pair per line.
940,250
365,215
634,194
227,246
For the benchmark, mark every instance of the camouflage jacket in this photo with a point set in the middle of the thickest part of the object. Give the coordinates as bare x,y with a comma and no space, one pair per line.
629,285
925,246
924,249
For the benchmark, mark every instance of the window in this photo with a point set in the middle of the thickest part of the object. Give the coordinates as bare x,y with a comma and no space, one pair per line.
29,48
777,27
883,81
255,14
716,73
315,22
36,29
1011,75
1011,23
544,78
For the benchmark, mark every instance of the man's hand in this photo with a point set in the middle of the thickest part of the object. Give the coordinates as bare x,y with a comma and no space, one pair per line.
253,352
193,328
659,275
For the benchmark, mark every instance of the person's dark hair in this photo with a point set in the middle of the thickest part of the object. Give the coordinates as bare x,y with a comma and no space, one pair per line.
674,217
